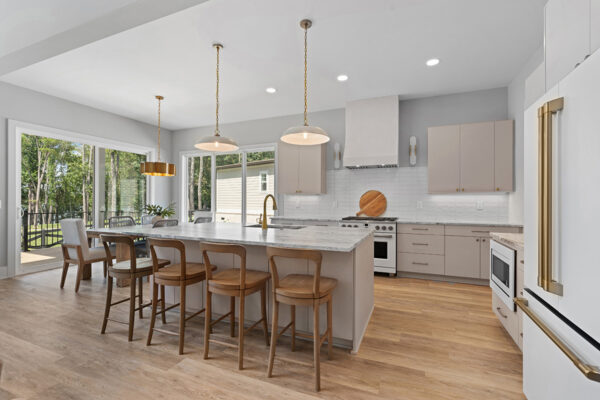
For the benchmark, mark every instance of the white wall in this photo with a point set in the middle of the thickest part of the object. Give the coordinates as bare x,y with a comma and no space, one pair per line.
516,107
33,107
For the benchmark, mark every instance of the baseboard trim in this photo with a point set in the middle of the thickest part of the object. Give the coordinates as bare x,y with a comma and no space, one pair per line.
444,278
3,271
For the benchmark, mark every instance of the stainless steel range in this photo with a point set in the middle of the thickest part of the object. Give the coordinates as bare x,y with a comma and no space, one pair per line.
384,245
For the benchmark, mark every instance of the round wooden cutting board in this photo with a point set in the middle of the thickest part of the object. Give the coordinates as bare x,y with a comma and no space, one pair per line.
372,203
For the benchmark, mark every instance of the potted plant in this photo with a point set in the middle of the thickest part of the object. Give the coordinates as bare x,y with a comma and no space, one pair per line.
159,212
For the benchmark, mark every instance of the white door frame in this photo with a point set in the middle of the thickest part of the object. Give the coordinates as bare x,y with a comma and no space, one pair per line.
15,129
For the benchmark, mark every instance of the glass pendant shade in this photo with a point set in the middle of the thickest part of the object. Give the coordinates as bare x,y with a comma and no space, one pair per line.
157,168
305,135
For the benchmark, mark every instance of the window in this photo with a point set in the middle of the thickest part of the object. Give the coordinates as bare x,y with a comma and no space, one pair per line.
229,187
124,185
264,182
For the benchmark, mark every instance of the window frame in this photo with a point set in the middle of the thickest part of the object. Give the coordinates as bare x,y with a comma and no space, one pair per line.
260,181
243,151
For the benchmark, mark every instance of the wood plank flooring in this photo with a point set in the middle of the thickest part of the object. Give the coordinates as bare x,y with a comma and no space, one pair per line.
426,340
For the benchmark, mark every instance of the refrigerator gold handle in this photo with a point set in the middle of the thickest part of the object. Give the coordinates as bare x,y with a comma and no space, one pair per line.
591,372
545,234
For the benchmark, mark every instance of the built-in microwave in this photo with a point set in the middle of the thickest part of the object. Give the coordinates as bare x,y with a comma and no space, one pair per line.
502,272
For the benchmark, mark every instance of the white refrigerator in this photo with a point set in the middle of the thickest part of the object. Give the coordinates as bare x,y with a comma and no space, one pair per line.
562,240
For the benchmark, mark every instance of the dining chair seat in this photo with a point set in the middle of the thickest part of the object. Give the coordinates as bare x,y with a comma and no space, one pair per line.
301,286
230,278
173,272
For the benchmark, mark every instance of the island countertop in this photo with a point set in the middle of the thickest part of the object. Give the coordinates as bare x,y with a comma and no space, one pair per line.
324,238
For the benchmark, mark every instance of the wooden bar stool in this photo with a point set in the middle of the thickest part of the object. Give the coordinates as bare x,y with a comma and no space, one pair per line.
134,270
182,275
301,290
234,282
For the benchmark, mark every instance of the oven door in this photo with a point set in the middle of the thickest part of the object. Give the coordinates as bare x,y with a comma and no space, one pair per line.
502,272
384,252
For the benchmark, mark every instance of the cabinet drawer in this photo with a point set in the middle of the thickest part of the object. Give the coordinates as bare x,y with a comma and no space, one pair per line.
507,318
421,229
421,263
423,244
478,231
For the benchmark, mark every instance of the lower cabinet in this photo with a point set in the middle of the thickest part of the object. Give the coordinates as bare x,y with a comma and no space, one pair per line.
463,256
421,263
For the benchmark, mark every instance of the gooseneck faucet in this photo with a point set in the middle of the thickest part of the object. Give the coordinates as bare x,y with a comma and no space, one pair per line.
264,214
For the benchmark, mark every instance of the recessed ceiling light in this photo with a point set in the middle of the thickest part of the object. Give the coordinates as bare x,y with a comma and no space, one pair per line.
342,78
271,90
432,62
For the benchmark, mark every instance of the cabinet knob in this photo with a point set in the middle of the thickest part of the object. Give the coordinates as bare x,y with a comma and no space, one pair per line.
497,189
463,189
477,240
457,189
483,240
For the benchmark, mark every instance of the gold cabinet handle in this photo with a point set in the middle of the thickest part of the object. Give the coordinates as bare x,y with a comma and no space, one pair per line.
500,312
591,372
457,189
545,231
497,189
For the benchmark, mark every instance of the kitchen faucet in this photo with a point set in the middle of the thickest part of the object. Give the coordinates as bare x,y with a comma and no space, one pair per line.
264,214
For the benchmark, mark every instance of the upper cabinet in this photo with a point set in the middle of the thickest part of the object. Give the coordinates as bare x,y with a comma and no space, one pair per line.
571,34
471,158
301,169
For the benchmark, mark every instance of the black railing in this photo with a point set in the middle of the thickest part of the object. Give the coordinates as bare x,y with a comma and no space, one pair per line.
42,230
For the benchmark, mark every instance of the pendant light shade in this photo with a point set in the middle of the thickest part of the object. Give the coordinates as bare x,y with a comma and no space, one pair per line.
216,142
305,135
157,168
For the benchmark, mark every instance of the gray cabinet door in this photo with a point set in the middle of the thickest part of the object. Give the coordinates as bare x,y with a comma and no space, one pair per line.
503,156
287,168
484,261
443,159
463,256
477,157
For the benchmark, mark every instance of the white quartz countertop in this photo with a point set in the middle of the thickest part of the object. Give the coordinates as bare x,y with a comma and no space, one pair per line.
324,238
514,240
409,221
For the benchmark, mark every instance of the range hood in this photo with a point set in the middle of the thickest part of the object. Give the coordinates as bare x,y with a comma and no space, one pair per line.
372,133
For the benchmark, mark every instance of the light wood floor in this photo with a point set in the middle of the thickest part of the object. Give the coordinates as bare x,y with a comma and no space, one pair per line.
426,340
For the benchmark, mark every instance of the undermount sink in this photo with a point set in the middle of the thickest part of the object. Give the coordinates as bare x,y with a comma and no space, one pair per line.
275,226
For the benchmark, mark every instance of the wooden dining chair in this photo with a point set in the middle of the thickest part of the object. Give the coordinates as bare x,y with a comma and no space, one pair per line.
301,290
133,269
180,275
233,282
76,250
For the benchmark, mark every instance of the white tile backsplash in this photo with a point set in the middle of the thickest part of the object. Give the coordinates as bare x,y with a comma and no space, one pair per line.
405,190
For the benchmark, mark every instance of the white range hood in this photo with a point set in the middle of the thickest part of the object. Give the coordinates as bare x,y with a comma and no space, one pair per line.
372,133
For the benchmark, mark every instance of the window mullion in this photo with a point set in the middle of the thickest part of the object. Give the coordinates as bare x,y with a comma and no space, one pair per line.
244,172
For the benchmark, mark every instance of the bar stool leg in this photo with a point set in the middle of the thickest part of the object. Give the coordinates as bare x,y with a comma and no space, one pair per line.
105,268
131,307
232,316
263,312
274,333
317,346
241,330
207,321
181,318
64,274
162,304
329,330
109,288
293,315
141,298
153,314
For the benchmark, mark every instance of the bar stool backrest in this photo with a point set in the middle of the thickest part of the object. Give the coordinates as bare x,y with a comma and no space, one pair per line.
107,240
311,255
223,248
172,244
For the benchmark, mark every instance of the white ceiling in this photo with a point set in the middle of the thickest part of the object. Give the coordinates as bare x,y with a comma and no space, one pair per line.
381,44
24,22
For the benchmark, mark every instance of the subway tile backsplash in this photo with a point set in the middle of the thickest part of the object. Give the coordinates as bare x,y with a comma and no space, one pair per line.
406,193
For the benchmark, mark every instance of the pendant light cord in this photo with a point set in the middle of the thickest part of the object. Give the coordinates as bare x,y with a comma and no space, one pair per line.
159,129
217,94
305,75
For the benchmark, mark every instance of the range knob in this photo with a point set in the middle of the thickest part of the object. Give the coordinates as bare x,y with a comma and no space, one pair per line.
376,227
343,225
356,226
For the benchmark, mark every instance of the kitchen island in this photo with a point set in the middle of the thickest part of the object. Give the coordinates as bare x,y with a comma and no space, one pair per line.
347,257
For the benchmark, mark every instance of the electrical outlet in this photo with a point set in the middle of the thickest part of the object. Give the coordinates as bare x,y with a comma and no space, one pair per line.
334,204
419,204
480,205
297,204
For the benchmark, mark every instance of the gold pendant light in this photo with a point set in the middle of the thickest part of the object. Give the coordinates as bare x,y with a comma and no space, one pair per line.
216,142
305,135
157,168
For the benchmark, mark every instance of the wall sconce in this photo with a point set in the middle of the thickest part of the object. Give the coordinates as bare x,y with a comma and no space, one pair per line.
337,155
412,151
